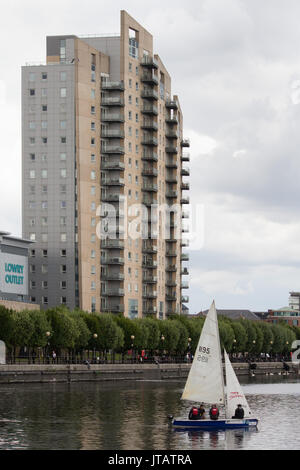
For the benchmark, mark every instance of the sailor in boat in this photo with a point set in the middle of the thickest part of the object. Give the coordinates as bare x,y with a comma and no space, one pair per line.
239,413
214,412
197,413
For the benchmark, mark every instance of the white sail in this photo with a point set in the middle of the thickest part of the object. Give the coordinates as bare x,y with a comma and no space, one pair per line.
205,381
234,392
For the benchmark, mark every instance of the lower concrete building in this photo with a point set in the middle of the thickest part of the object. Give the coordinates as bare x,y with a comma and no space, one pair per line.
14,288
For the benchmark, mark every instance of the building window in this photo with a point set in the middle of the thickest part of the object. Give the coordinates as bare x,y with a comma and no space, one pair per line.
63,172
44,107
63,237
32,92
63,92
32,237
93,175
44,76
32,77
45,300
44,140
44,204
31,125
44,237
63,284
44,284
63,204
44,124
44,174
63,157
32,174
63,76
62,124
44,91
63,268
63,253
63,140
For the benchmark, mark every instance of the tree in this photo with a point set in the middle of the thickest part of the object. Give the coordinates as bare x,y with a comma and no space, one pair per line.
23,329
64,329
169,334
6,325
40,327
182,342
268,337
251,335
240,337
153,333
226,334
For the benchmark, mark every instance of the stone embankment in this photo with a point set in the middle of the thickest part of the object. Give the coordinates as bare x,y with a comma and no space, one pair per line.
13,374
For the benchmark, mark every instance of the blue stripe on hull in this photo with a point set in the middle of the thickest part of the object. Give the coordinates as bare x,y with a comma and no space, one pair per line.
214,425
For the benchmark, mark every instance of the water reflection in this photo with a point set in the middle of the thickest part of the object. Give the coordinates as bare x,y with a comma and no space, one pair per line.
134,416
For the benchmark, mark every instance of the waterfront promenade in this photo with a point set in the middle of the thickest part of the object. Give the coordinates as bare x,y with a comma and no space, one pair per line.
39,373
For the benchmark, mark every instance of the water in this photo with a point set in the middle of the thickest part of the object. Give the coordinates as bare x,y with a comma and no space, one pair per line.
133,416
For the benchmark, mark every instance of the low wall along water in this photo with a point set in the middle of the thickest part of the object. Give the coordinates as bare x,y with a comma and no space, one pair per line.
115,372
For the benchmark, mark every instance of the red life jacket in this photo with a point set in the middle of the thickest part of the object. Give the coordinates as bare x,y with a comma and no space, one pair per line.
214,411
195,412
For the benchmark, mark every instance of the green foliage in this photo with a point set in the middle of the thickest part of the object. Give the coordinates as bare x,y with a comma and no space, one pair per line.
170,332
64,329
6,325
23,328
40,326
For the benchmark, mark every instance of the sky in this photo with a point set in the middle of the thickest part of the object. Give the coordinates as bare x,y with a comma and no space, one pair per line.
235,66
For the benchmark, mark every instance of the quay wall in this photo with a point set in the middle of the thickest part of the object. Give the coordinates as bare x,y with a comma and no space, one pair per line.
33,373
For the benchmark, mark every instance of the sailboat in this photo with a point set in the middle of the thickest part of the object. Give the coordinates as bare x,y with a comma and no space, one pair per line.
205,383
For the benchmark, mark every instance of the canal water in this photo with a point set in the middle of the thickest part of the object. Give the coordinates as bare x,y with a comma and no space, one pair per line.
134,416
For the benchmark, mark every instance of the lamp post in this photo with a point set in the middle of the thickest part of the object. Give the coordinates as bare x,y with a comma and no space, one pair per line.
162,340
48,334
95,336
132,343
189,349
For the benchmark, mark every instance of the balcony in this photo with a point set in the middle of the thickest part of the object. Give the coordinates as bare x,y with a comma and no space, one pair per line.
149,109
117,261
185,143
149,94
185,272
149,248
171,149
171,297
113,117
113,293
171,179
150,156
185,172
171,283
150,295
171,134
172,194
113,277
185,157
149,62
113,86
113,149
171,253
113,166
185,243
150,280
149,78
149,310
171,104
151,141
110,197
149,171
149,187
113,182
149,124
185,200
185,186
185,299
184,285
112,244
171,268
118,101
149,201
172,120
185,215
113,309
170,163
149,264
184,257
113,134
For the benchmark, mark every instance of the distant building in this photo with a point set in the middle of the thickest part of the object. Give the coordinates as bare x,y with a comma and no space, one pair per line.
294,300
287,314
235,314
14,272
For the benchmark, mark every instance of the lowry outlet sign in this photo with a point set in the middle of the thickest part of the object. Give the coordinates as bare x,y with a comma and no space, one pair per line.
13,274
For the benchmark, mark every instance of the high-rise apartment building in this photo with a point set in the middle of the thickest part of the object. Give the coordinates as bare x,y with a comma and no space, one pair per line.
103,163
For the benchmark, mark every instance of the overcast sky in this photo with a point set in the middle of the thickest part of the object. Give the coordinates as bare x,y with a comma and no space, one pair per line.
235,65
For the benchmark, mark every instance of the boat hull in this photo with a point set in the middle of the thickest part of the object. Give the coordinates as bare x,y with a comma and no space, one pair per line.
220,424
